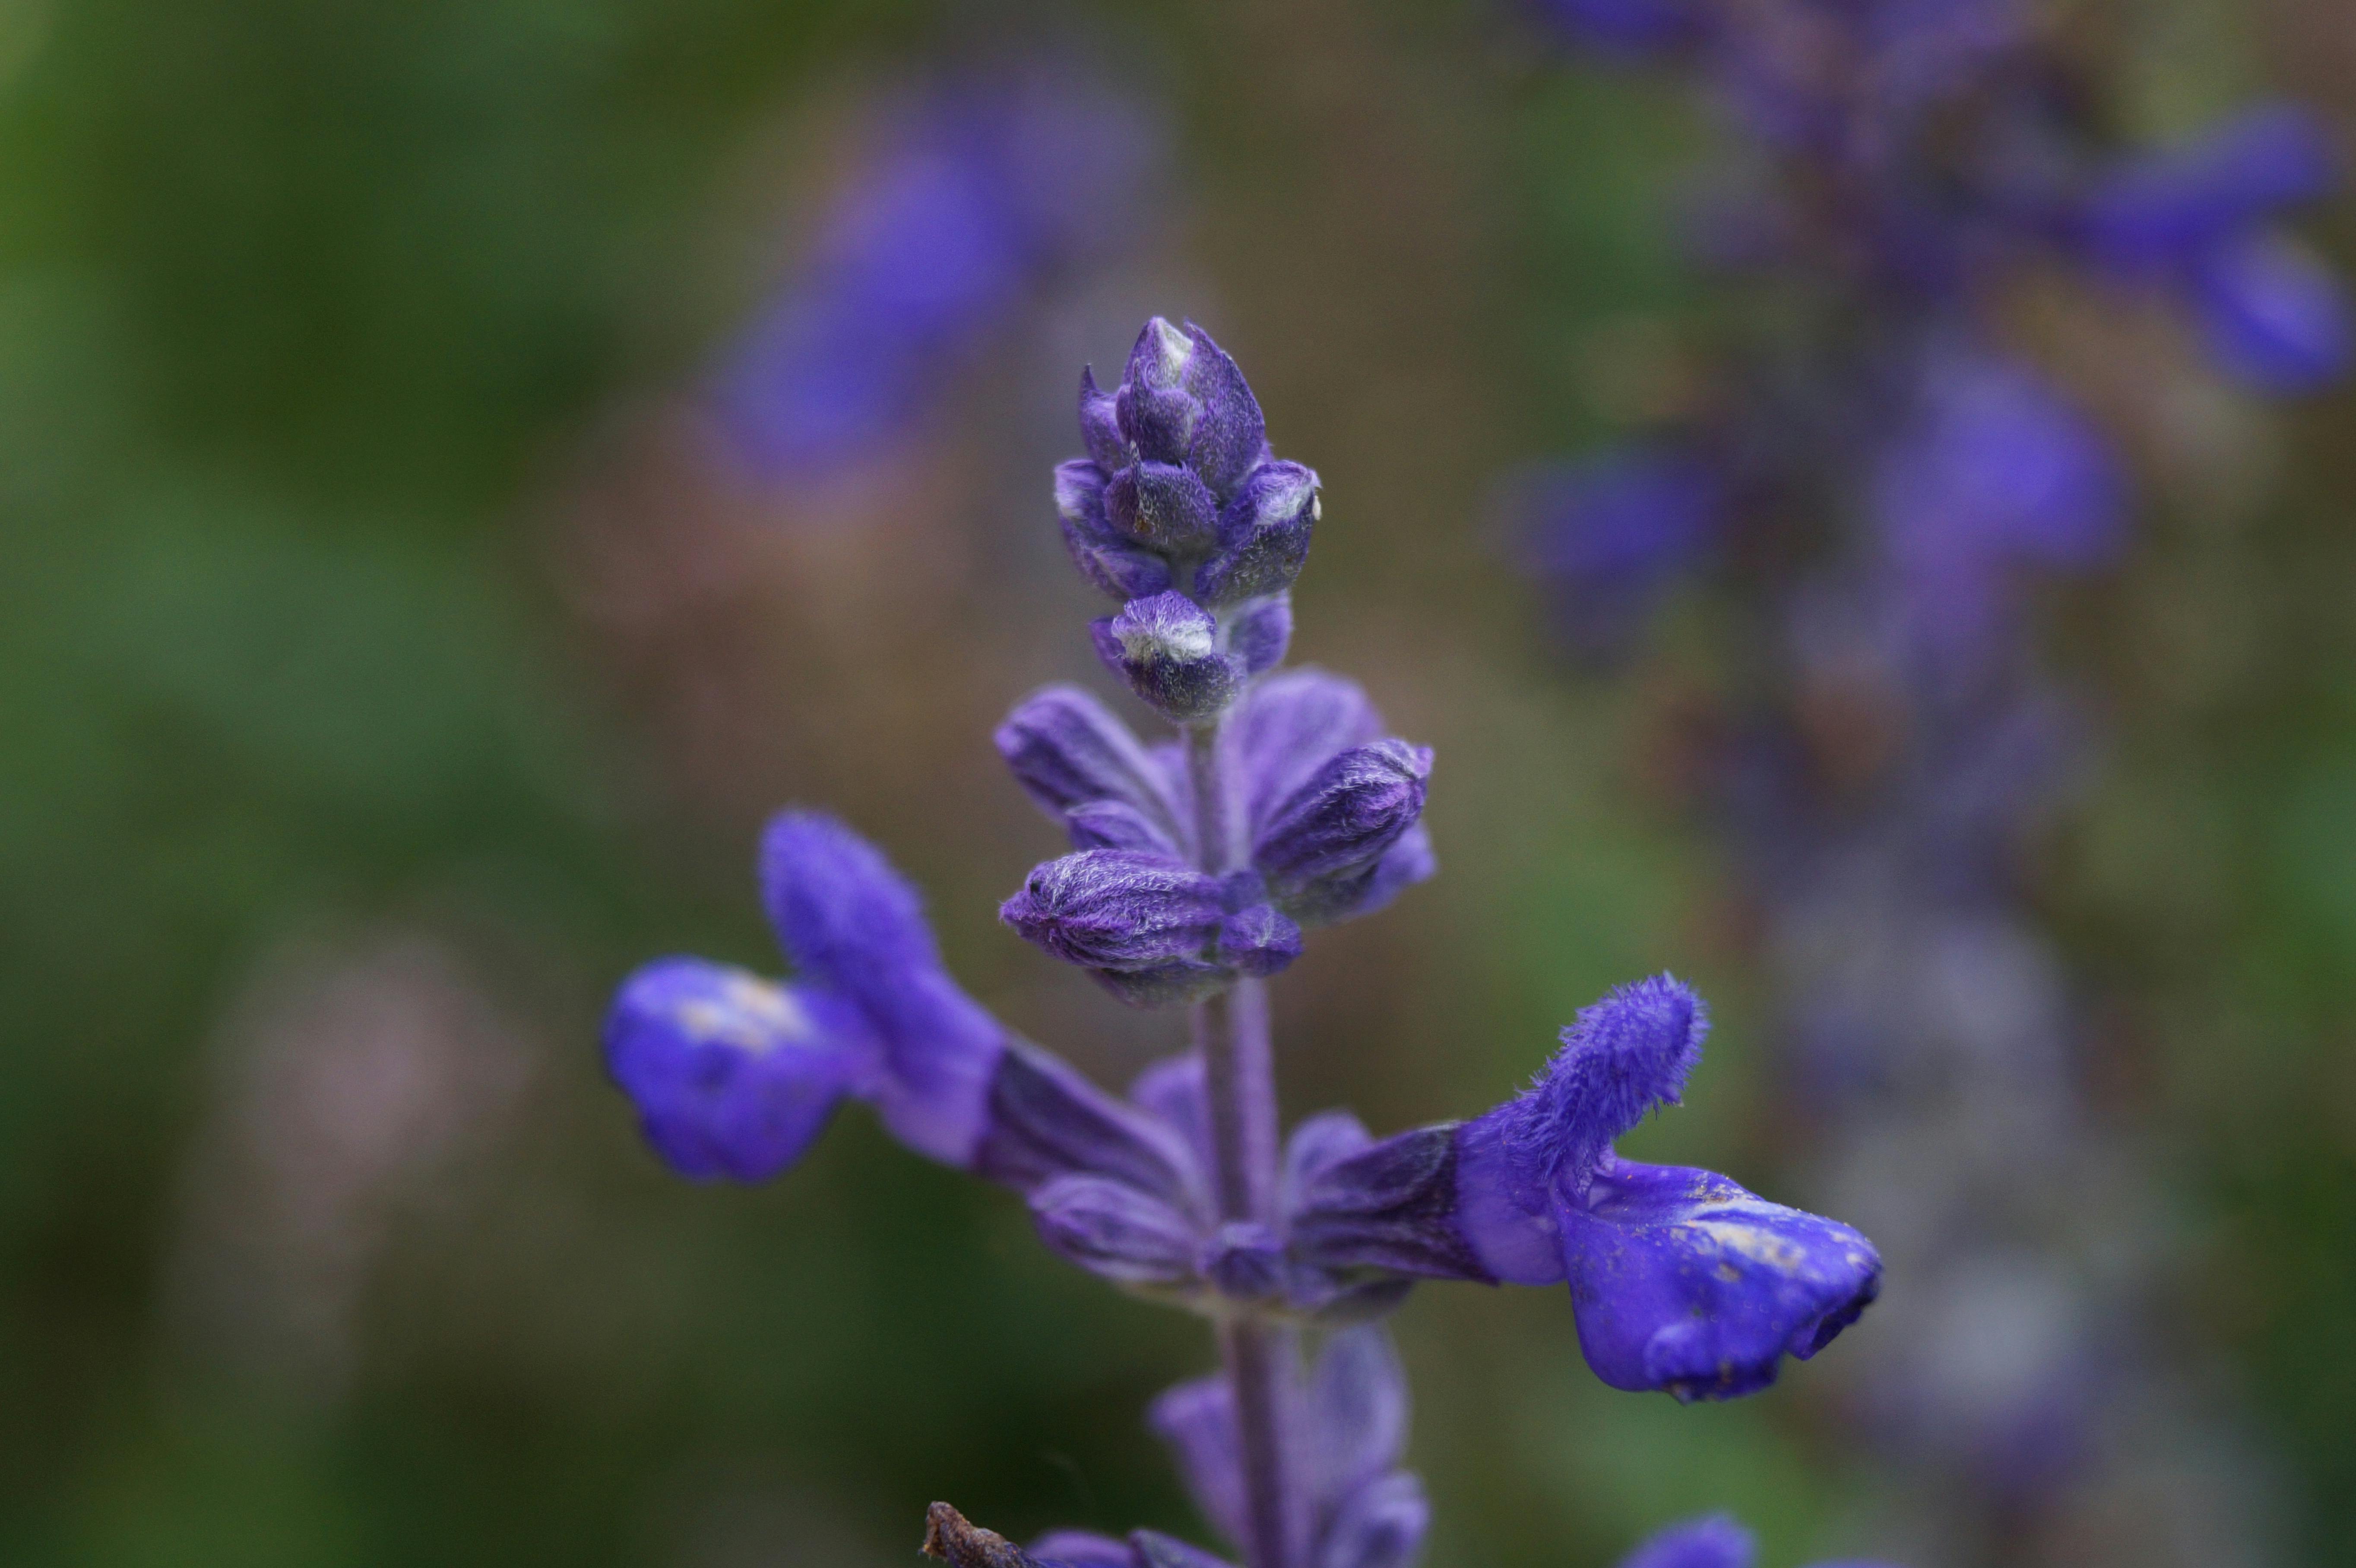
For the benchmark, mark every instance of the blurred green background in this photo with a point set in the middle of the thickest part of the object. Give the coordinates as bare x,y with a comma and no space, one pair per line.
380,678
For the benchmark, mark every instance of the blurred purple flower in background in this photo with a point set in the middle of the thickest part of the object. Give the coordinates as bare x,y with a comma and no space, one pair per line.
981,189
1891,476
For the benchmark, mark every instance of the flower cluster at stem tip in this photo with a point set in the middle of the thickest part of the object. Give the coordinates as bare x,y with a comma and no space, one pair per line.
1197,863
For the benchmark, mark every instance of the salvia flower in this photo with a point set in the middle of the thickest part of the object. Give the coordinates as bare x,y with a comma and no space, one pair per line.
1680,1279
733,1075
1196,865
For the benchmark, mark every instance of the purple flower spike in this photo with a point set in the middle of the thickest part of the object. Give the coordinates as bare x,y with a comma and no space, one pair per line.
985,186
854,926
1167,650
1626,1054
1683,1280
1713,1542
732,1074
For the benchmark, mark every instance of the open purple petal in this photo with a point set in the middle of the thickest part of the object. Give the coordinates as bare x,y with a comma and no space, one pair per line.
733,1075
1681,1280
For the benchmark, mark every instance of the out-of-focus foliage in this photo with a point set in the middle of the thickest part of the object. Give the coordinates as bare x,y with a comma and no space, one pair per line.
373,699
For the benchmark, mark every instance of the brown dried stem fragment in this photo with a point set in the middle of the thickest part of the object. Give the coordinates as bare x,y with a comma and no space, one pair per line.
950,1538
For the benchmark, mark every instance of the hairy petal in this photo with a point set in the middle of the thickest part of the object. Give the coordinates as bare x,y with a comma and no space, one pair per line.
1628,1053
1507,1223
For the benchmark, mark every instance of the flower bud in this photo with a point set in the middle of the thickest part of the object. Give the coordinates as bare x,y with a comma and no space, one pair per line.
1339,824
1380,1525
1075,759
1263,535
1163,506
1156,413
1113,563
1116,909
1115,1231
1166,649
1716,1542
1100,426
1258,634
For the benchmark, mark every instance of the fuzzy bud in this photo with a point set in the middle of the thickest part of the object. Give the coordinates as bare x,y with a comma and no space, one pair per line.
1167,648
